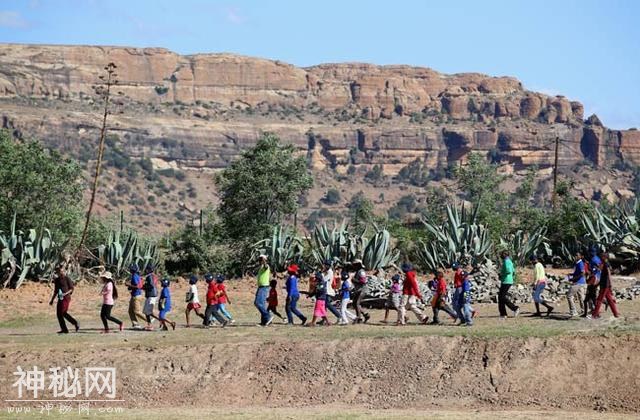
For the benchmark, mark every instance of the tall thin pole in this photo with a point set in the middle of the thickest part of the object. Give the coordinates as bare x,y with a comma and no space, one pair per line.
200,222
555,175
110,80
121,220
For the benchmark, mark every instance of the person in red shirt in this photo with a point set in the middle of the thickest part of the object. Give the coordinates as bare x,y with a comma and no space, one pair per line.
223,299
410,295
272,300
439,299
212,303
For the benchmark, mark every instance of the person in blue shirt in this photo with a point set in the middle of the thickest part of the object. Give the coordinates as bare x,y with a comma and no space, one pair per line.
593,279
578,285
137,300
164,305
293,295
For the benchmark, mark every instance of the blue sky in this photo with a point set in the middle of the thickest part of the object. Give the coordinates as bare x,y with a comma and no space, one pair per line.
586,50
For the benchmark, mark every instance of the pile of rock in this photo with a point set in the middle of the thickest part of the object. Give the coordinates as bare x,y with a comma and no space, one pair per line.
486,285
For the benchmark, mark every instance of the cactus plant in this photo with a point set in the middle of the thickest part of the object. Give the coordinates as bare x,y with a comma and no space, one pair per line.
378,252
459,238
119,253
281,248
522,245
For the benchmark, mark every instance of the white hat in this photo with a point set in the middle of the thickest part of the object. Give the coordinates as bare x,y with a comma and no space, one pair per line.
106,275
262,256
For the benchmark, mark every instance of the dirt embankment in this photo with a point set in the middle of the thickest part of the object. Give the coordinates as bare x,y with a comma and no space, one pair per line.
566,373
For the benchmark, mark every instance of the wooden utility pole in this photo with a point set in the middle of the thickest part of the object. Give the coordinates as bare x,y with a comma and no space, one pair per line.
555,175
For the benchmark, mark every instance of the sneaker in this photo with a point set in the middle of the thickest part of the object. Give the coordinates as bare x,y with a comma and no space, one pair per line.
304,322
224,324
366,318
269,321
232,321
549,311
536,314
138,327
62,332
589,316
503,317
77,327
173,326
434,322
469,324
425,320
516,312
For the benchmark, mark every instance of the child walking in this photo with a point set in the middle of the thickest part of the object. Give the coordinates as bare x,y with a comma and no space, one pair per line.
193,303
223,299
164,305
346,316
293,295
109,296
540,280
272,300
439,299
394,297
465,300
212,310
320,308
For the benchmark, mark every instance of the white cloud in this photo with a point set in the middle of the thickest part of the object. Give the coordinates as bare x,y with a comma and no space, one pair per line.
9,19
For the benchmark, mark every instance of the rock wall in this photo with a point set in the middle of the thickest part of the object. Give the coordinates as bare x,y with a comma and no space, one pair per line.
463,112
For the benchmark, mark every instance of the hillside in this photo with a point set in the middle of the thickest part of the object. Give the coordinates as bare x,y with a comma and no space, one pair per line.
180,118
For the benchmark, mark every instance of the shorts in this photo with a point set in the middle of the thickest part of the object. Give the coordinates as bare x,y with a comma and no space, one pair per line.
149,303
320,310
393,301
193,305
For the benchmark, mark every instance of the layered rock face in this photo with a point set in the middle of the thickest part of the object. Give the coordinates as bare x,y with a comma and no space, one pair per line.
387,115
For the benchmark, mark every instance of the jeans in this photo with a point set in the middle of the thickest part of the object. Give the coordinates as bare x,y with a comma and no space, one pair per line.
224,312
292,309
537,294
261,303
457,302
329,304
503,300
213,310
467,312
105,314
577,291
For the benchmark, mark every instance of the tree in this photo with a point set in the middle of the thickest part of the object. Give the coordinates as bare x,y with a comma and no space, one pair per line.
262,187
332,196
40,186
360,212
480,182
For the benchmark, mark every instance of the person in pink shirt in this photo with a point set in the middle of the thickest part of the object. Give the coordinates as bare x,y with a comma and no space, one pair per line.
109,296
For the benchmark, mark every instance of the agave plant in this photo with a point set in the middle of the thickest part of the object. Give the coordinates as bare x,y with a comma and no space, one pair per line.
378,252
281,248
460,238
522,245
619,235
32,254
337,244
120,252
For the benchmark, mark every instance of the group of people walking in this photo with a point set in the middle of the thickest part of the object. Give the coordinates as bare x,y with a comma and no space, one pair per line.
340,291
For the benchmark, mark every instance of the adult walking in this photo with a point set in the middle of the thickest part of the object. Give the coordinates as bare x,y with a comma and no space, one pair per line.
109,296
137,300
262,291
62,289
293,295
578,285
605,289
507,272
540,282
359,291
410,295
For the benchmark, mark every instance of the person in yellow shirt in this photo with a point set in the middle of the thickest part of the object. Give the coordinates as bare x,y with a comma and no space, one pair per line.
262,292
540,282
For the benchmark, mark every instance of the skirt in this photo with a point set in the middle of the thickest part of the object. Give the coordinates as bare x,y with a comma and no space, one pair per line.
320,310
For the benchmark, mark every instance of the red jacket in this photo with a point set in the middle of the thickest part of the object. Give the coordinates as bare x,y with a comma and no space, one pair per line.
457,278
410,285
221,291
212,290
441,288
